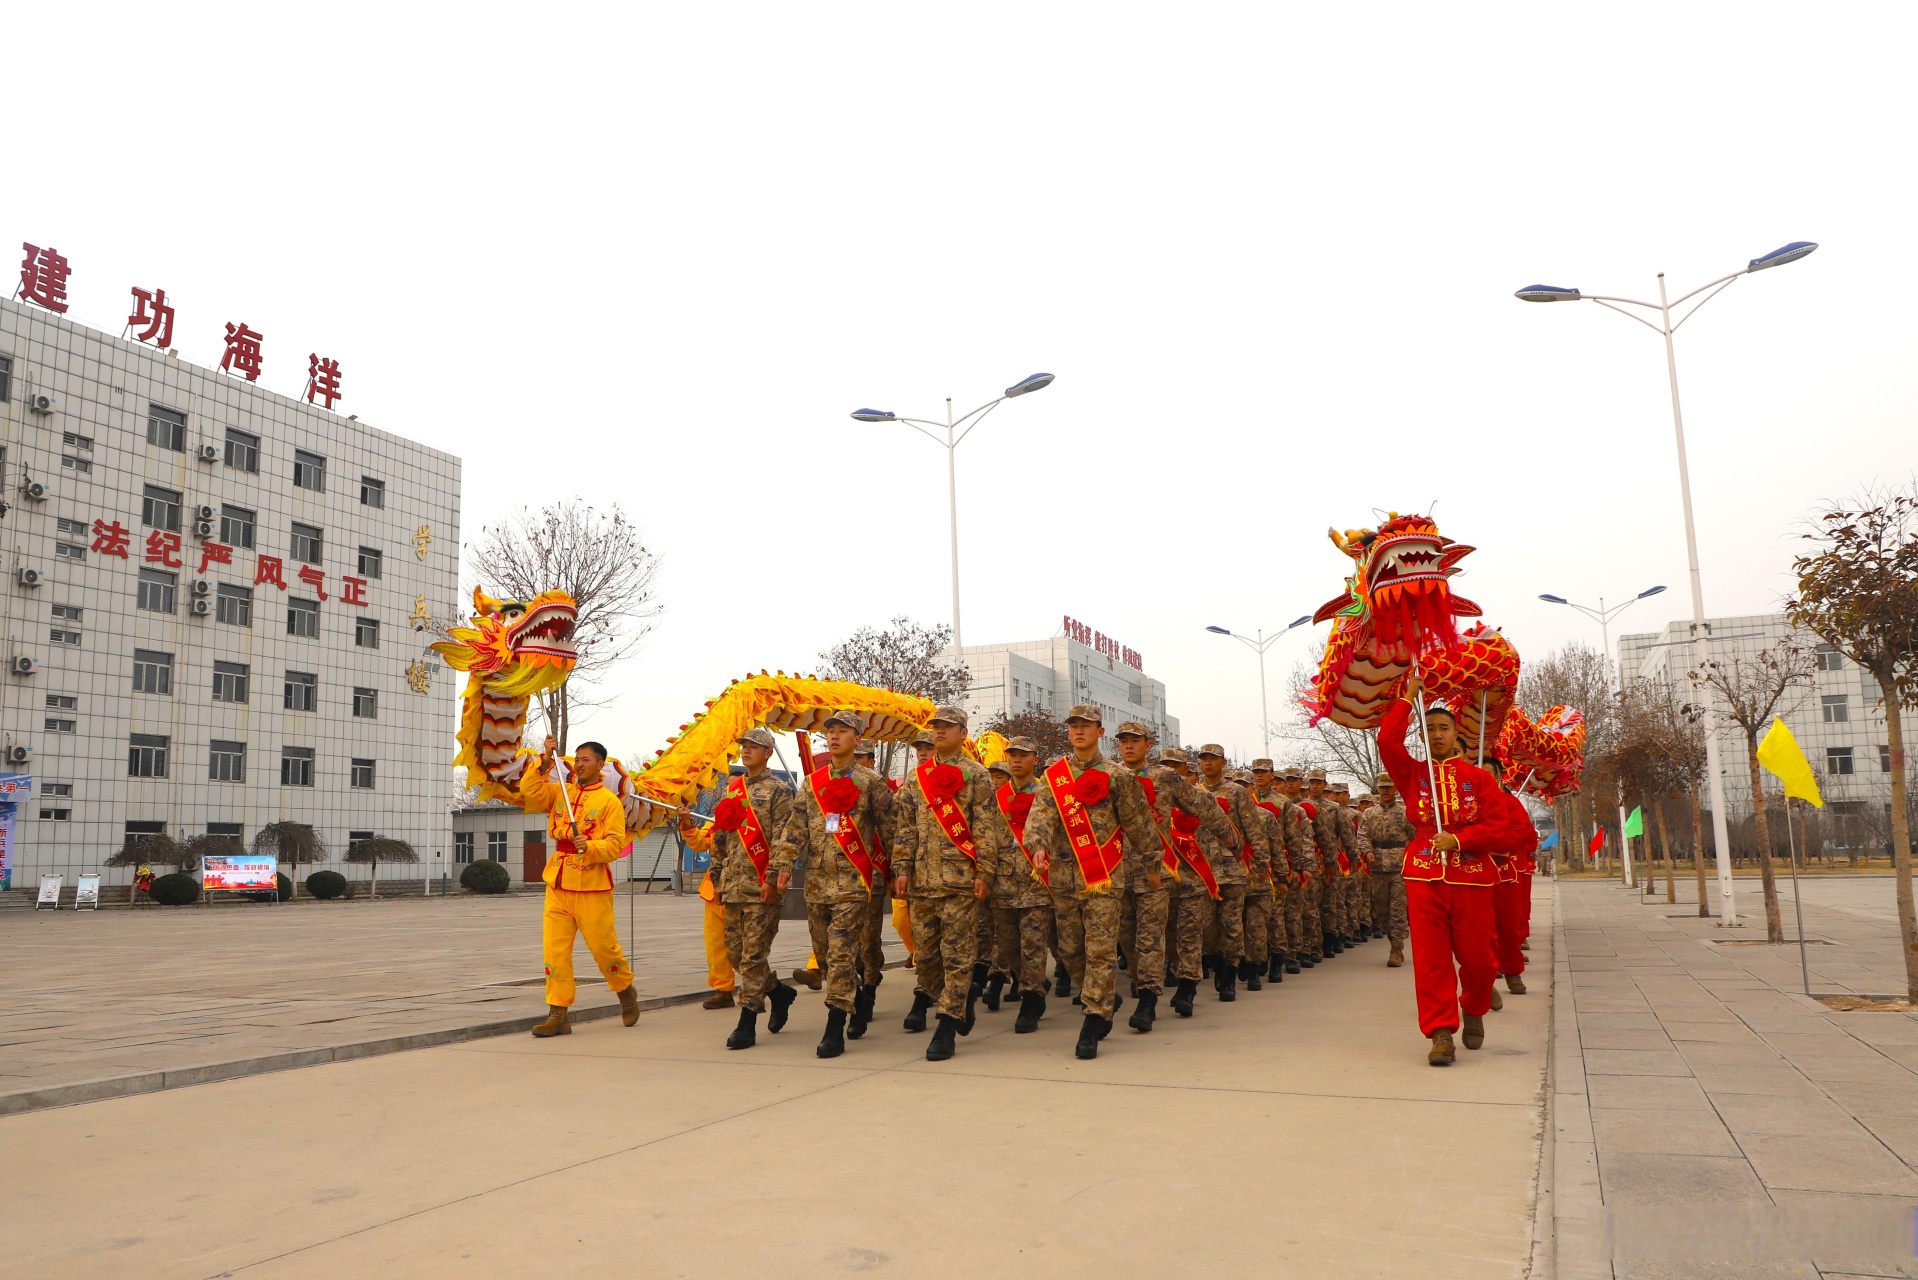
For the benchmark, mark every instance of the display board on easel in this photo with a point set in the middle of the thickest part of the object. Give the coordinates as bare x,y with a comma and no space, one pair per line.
49,892
87,892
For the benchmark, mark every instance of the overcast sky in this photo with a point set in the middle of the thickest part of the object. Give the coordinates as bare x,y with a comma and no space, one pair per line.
656,257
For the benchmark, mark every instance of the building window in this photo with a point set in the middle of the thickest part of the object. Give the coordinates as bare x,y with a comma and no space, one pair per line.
242,451
160,508
63,635
356,837
366,633
80,466
166,427
152,672
229,682
309,471
296,766
236,526
226,762
57,789
156,590
1827,658
69,551
366,704
496,845
1837,760
363,774
73,441
146,755
371,560
302,691
462,846
55,815
6,378
306,544
1835,708
303,618
1884,758
234,605
54,724
75,529
62,702
231,830
372,492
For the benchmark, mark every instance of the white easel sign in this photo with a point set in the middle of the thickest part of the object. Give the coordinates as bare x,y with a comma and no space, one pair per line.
49,892
87,892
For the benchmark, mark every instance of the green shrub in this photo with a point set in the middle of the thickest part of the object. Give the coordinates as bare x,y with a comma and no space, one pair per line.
175,890
326,884
485,877
285,890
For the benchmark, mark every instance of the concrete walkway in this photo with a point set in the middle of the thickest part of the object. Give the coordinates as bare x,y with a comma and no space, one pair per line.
1709,1120
1296,1132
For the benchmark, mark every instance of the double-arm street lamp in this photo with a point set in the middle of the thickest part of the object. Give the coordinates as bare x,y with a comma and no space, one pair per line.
1666,327
956,430
1261,644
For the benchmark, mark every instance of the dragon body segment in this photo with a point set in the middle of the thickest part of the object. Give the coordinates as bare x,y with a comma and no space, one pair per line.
1545,756
513,650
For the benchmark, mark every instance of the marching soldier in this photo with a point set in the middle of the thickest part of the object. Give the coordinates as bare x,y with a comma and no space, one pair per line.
944,857
1388,831
872,940
1260,894
752,814
1308,932
1020,901
1329,833
842,810
1289,869
1203,837
1090,827
1234,872
1358,896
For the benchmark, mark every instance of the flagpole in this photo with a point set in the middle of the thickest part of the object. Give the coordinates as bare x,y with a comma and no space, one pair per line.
1625,847
1797,899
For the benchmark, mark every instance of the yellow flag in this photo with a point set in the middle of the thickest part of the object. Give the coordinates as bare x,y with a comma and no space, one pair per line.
1780,753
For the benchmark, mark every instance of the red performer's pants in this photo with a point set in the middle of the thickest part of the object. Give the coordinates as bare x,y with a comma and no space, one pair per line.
1450,920
1509,903
1525,882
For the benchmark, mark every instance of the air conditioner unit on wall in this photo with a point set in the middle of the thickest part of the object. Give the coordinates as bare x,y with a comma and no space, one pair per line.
205,528
41,403
19,754
204,512
34,491
202,587
23,665
28,577
209,453
202,607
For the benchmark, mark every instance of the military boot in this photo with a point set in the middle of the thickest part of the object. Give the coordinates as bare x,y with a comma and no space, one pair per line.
1228,982
1089,1037
1309,960
972,1013
994,985
1148,1010
744,1036
942,1045
1032,1007
1275,971
1441,1054
808,978
978,987
862,1002
558,1022
781,998
628,1006
834,1042
1397,957
1515,984
1182,998
1292,964
718,1000
1252,974
916,1019
1061,980
1474,1031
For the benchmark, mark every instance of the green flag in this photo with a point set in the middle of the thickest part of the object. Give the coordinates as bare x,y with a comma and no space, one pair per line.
1635,825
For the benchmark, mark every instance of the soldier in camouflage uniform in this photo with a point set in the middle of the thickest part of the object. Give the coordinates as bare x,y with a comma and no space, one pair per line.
1389,830
1289,848
1328,832
751,900
837,895
1021,903
1196,815
1234,871
944,883
1260,895
1113,804
872,939
1311,928
1358,896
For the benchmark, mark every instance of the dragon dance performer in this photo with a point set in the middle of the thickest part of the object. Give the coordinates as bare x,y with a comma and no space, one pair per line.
587,825
1089,827
1388,830
1448,878
1020,901
1309,929
842,808
1203,838
945,854
754,811
1511,899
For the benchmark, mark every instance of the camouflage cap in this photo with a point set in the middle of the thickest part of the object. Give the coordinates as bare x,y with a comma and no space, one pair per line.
1339,787
1000,766
922,738
758,737
1134,727
1383,780
949,715
851,719
1315,775
1210,749
1175,755
866,747
1262,763
1022,743
1292,773
1085,711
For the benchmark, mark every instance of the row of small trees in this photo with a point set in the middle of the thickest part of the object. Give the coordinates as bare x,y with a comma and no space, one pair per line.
294,843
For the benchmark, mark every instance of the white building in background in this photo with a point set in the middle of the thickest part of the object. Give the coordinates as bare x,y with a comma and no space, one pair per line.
1838,721
1054,674
211,603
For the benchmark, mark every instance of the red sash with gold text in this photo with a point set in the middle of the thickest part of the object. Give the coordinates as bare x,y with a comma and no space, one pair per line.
1245,850
1004,796
947,814
1183,827
850,842
1171,860
750,833
1097,861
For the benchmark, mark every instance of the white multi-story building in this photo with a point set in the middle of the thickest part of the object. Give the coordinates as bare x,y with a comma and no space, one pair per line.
1054,674
213,604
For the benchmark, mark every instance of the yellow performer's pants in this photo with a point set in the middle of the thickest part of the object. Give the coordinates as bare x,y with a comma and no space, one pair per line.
902,923
719,967
590,914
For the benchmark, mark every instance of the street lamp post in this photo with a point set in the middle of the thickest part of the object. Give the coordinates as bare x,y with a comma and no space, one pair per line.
1603,617
1260,645
956,429
1665,328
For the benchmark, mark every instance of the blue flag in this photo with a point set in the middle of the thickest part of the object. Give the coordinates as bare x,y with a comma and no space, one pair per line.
1551,841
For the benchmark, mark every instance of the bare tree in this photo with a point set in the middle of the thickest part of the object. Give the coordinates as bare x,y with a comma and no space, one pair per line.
291,843
903,658
595,557
1047,731
377,850
1858,592
1753,689
1325,745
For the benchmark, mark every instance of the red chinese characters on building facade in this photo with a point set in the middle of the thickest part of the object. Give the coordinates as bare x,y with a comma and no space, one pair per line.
314,578
110,539
1099,642
163,548
322,380
43,277
151,309
352,590
269,569
214,553
242,352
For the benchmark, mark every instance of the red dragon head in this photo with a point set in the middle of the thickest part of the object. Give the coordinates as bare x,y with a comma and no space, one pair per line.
1401,584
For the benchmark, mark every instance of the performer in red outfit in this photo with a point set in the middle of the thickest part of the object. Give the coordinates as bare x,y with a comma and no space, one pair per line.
1511,896
1448,878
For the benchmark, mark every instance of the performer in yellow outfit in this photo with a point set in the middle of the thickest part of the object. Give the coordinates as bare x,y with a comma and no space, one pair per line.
587,824
719,966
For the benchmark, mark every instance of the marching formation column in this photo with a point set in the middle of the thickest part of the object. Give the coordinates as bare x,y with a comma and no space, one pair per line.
1388,830
1020,900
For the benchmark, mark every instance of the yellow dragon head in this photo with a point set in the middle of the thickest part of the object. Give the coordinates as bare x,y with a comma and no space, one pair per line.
517,647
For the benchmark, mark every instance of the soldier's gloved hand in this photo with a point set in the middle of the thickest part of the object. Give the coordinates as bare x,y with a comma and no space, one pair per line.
1042,862
979,889
770,893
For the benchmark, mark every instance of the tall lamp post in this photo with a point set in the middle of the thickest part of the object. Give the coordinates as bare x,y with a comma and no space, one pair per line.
1260,645
1665,327
1603,616
956,429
